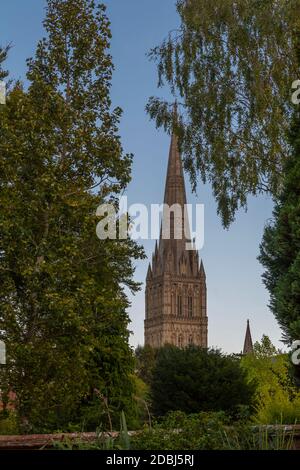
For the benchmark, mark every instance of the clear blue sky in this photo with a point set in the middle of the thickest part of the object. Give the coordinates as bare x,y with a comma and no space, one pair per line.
235,290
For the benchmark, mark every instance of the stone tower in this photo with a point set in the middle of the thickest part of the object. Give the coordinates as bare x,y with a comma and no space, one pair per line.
248,345
176,311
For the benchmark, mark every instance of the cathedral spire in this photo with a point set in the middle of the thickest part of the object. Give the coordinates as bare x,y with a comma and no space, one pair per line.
248,345
175,215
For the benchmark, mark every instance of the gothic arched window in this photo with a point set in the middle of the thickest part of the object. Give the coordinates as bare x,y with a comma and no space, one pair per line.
179,305
190,306
191,340
173,311
180,341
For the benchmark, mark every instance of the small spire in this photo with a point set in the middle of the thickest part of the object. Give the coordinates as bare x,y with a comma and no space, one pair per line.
202,270
248,344
149,272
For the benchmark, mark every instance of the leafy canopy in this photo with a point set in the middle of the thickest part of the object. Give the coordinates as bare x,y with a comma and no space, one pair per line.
230,64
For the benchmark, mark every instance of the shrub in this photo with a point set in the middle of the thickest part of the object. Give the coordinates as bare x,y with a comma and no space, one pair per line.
278,399
8,423
195,379
208,431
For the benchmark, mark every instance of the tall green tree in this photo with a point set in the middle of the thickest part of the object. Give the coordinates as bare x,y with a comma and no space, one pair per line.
280,248
231,65
62,301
